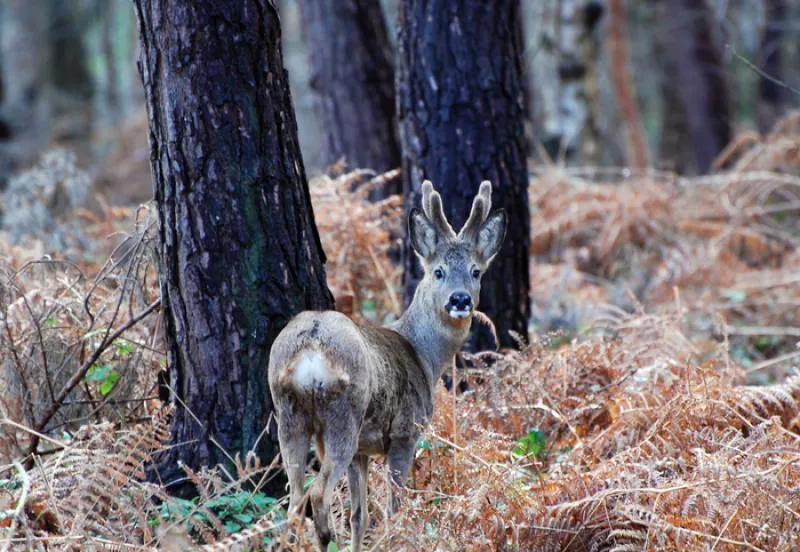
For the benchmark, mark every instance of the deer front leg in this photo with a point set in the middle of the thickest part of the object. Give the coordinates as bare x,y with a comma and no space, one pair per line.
400,457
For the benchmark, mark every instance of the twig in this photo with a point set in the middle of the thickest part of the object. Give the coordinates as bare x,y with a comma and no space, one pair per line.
763,330
78,376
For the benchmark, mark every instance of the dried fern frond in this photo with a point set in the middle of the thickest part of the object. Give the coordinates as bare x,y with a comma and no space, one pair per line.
92,485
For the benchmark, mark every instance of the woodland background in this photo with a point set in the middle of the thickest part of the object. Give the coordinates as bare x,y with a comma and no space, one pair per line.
655,405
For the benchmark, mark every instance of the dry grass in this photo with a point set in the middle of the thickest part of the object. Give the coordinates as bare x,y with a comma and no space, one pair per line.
642,431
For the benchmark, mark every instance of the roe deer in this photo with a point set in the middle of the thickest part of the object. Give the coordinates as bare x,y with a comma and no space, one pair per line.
363,391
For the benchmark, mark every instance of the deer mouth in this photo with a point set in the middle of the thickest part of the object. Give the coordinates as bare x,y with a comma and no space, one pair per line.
457,314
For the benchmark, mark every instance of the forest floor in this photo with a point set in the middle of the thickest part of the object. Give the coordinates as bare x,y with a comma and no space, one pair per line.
657,406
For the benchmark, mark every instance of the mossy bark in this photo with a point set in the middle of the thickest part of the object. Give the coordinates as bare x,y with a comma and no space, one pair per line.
239,249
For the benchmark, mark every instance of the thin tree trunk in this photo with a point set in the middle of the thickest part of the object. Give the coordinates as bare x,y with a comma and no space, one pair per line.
112,99
701,79
620,61
772,97
352,79
25,108
461,114
240,254
565,67
675,152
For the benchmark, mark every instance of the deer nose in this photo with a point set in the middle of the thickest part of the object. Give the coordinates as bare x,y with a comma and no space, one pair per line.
461,301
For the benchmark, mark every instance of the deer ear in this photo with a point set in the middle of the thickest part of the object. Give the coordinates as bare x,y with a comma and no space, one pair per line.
422,233
489,237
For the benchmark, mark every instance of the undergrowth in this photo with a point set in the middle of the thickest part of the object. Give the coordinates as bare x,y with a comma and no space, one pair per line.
637,426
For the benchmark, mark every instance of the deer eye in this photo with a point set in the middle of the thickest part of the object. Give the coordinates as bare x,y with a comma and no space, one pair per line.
476,273
438,273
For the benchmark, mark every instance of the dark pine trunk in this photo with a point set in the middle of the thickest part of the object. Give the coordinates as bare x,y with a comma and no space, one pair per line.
352,78
461,115
772,97
701,79
240,253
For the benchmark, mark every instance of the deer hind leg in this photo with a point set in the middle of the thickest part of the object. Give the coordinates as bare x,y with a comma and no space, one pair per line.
294,437
400,456
339,452
357,475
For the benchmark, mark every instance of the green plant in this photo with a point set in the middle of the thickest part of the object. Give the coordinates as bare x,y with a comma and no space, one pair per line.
236,511
532,444
104,375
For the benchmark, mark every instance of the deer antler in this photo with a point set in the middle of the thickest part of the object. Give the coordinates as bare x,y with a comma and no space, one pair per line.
481,206
432,207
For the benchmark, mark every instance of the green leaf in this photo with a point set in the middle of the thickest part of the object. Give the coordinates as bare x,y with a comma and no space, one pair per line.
531,444
108,383
333,547
424,444
246,519
262,501
123,348
734,295
98,373
232,527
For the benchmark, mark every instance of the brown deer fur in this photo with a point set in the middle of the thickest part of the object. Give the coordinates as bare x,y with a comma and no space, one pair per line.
363,391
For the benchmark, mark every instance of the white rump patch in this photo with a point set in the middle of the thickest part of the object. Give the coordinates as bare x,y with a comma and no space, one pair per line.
460,314
312,368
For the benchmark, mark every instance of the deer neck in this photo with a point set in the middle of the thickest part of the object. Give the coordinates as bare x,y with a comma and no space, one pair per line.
435,340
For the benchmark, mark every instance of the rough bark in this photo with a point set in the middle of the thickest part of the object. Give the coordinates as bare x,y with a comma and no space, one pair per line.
701,80
772,96
352,79
461,113
240,253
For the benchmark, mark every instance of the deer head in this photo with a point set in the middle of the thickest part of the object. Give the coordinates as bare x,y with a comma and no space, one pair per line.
454,263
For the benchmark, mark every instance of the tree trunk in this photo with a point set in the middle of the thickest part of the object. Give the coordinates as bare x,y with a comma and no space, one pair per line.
239,249
24,114
566,39
69,62
72,85
111,97
461,115
352,79
701,80
772,97
620,67
675,152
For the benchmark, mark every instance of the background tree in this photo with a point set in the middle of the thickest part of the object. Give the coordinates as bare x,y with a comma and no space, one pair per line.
696,52
461,114
675,150
72,86
772,97
352,80
24,71
566,37
240,253
620,68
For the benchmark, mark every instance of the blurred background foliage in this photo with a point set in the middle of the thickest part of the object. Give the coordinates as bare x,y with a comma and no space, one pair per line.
69,79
